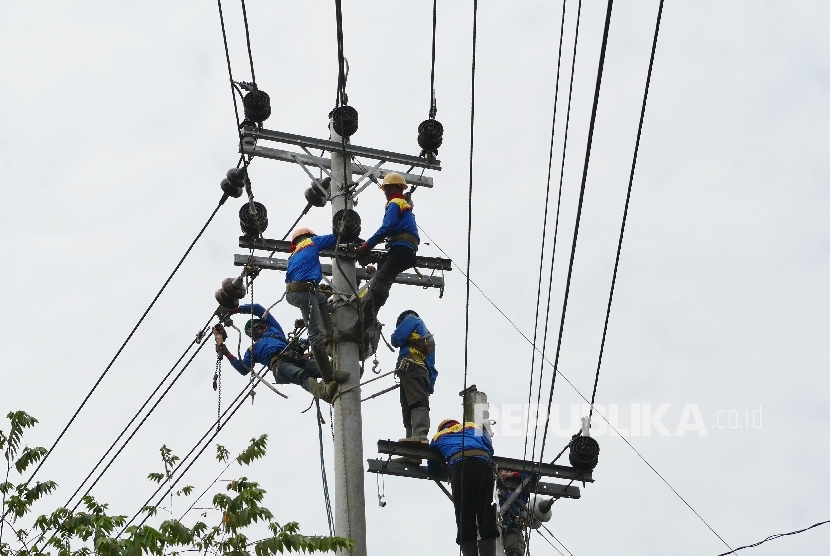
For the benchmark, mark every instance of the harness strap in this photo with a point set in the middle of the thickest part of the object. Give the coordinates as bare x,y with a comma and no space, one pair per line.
467,454
304,286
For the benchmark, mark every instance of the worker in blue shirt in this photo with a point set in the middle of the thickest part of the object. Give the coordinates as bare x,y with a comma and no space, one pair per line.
417,372
401,234
302,279
467,451
272,350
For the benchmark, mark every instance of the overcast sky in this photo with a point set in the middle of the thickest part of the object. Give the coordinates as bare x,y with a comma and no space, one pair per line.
116,126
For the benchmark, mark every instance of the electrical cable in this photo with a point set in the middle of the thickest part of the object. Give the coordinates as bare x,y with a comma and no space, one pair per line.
432,103
106,468
248,39
230,73
556,227
773,537
129,337
554,538
126,428
341,69
545,224
625,210
571,384
229,412
578,214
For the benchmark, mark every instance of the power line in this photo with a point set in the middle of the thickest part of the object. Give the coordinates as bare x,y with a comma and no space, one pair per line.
575,389
556,228
545,218
773,537
230,73
141,423
625,210
248,40
129,337
432,105
229,412
578,214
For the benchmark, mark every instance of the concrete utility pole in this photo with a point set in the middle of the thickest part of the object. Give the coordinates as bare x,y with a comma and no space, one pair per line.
350,504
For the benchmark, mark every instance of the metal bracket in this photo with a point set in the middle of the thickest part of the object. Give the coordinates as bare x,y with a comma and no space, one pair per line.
353,150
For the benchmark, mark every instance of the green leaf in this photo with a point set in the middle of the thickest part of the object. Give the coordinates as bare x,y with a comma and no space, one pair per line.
222,453
254,451
28,457
156,477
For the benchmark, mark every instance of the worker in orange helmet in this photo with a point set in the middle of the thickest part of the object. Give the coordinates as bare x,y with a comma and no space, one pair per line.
467,450
401,234
302,280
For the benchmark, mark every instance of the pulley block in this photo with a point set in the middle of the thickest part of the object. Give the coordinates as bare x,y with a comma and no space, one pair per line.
344,119
257,106
253,218
584,453
430,136
346,225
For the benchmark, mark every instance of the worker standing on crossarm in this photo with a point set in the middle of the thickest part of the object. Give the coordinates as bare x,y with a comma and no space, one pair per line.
302,280
271,349
417,372
467,451
401,234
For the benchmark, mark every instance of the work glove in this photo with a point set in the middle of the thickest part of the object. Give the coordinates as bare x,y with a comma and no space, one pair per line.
364,254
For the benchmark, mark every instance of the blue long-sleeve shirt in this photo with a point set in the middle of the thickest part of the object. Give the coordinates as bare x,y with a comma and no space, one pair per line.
304,262
397,219
270,344
412,328
451,440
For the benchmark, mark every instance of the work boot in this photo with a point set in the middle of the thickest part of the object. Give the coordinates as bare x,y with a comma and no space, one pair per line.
407,459
321,357
420,424
316,389
469,548
487,547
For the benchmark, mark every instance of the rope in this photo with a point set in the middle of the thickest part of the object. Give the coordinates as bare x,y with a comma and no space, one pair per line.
326,498
578,214
123,345
545,227
625,211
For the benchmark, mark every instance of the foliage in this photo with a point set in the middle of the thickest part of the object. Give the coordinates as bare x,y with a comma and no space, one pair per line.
91,530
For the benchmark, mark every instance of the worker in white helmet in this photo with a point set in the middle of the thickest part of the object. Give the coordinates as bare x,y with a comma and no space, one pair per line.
401,234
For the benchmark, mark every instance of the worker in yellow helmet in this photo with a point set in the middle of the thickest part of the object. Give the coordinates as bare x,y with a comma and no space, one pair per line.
401,234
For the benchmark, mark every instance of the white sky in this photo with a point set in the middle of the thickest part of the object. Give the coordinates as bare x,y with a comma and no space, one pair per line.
116,127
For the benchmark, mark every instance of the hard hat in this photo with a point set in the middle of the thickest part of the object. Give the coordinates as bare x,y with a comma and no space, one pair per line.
251,323
404,315
393,178
446,423
301,232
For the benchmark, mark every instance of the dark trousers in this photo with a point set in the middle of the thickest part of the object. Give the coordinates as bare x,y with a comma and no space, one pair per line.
288,370
472,492
414,390
397,260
